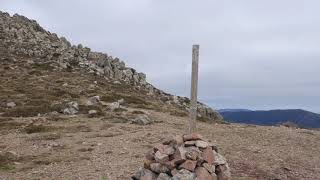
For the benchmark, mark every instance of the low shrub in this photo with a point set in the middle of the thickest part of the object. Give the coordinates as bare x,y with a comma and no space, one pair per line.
30,129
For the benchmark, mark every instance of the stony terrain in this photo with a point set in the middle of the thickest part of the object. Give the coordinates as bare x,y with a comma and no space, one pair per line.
69,113
99,148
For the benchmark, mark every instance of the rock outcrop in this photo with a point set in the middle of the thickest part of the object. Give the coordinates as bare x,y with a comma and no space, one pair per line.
24,37
186,157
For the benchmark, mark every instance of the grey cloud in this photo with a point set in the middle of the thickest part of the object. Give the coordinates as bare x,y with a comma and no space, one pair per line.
254,54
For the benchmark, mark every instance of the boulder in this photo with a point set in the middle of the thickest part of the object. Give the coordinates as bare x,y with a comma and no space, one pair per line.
92,113
71,108
114,105
93,100
142,119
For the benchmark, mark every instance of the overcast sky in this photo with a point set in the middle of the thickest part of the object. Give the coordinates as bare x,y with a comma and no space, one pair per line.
253,54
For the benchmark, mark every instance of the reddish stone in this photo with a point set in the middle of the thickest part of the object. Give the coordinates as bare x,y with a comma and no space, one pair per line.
160,157
164,149
192,137
148,176
174,172
170,165
189,165
193,155
178,140
189,143
214,147
169,150
158,147
207,155
144,174
203,174
210,168
159,168
222,168
150,155
179,155
219,159
223,172
147,163
201,144
223,176
200,162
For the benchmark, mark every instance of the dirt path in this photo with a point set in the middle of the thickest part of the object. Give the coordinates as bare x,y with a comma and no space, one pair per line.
89,148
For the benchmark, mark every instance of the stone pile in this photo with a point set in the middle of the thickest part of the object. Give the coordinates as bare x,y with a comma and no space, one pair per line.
24,37
186,157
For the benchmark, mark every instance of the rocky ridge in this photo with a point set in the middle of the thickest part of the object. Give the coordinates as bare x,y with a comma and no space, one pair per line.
24,37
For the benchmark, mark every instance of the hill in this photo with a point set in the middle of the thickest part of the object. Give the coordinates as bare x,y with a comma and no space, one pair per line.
41,73
302,118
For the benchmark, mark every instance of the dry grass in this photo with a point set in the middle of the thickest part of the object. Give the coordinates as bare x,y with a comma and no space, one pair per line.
137,112
30,129
128,99
6,161
30,111
120,110
178,113
101,145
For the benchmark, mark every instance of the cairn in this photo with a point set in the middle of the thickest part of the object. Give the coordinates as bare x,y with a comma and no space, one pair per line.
186,157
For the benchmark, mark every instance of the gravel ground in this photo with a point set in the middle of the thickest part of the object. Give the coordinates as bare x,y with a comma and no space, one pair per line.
95,148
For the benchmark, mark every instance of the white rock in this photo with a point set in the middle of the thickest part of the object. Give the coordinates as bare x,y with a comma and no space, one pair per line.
93,100
114,105
71,108
219,159
11,104
92,113
202,144
121,101
142,120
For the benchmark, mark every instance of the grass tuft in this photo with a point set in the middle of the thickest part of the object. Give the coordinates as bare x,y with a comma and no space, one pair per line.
30,129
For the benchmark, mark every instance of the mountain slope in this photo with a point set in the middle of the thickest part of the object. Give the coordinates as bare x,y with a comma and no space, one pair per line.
35,64
299,117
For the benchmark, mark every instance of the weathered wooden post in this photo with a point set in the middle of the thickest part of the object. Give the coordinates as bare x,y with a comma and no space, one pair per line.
194,89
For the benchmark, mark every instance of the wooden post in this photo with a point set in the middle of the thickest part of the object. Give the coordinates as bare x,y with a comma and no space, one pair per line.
194,89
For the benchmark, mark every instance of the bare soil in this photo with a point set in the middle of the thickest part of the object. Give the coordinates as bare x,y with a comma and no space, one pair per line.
77,147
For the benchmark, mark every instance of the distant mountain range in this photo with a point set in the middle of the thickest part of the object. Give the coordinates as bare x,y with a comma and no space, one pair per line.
233,110
302,118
